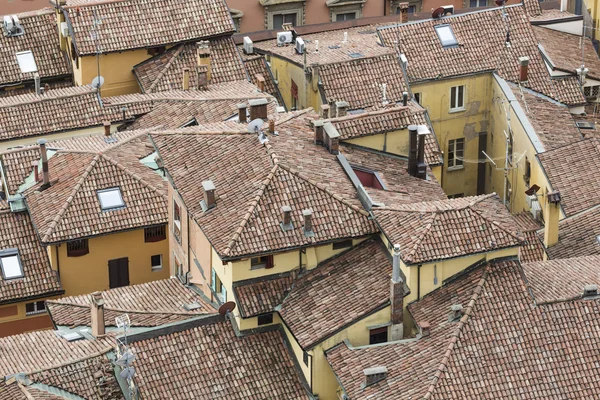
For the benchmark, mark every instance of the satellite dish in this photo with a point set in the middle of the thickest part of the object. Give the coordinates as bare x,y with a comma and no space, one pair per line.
97,81
126,359
438,12
255,125
227,307
127,373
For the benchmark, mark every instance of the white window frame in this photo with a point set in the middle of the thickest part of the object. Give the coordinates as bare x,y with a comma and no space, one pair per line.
357,9
457,107
10,253
223,294
291,8
457,163
479,3
35,306
445,40
116,190
213,280
159,267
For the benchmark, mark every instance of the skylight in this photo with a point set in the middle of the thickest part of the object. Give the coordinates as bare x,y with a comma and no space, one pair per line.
10,264
446,35
110,198
26,61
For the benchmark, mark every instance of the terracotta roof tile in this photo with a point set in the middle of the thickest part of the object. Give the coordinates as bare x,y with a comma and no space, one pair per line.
225,366
41,38
52,85
16,231
261,296
132,24
427,59
257,65
148,304
473,225
15,392
69,209
533,249
573,169
17,165
317,305
577,235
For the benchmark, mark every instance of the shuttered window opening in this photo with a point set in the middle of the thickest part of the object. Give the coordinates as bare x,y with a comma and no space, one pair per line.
77,248
155,233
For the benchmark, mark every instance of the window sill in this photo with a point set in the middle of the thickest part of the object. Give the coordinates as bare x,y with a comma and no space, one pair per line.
31,314
259,266
455,168
456,110
158,268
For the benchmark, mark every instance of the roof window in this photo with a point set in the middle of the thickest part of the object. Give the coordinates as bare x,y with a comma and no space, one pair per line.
446,35
110,198
26,61
10,264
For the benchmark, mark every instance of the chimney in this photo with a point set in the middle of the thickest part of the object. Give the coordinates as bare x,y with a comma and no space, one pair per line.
345,37
318,124
403,13
523,66
202,78
332,110
324,111
106,125
412,150
315,77
563,5
590,290
36,173
271,126
421,166
203,50
286,225
186,79
98,329
456,312
374,375
38,85
397,297
341,108
209,195
551,217
258,109
384,99
308,226
332,138
404,99
424,328
242,113
260,82
44,157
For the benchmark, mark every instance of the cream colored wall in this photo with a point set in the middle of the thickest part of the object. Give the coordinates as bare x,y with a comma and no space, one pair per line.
179,248
89,273
284,71
395,142
454,125
200,252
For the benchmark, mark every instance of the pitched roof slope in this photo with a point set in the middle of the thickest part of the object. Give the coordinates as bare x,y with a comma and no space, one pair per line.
17,165
427,59
361,274
450,228
225,366
261,296
16,231
70,209
147,304
577,235
16,391
40,38
533,249
174,22
573,169
257,65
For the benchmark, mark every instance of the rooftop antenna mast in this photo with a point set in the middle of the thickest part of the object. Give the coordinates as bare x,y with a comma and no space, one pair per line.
95,35
125,356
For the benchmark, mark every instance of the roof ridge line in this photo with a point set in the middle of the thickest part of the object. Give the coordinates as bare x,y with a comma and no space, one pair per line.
236,235
294,115
140,133
133,174
325,189
175,55
64,364
348,117
417,244
67,203
497,224
6,104
455,336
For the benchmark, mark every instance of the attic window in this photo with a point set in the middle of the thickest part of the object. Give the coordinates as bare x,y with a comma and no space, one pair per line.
446,35
10,264
585,125
368,178
110,198
26,61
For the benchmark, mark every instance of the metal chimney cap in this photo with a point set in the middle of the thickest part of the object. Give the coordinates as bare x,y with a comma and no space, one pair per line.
42,142
413,128
397,248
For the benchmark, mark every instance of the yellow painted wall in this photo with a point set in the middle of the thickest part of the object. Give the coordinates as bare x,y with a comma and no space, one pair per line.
395,142
21,312
453,125
89,273
284,71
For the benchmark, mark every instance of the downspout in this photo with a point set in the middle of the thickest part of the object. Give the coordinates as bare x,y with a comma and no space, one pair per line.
58,262
189,268
419,281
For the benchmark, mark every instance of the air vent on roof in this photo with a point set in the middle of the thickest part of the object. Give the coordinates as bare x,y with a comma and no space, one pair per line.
590,290
585,125
12,26
456,312
334,46
355,55
26,61
284,38
72,336
192,306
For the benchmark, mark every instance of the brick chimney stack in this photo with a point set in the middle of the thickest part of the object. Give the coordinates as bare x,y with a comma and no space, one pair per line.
308,225
44,157
286,225
209,194
203,51
403,13
341,108
421,166
332,138
318,125
523,68
324,111
242,113
106,125
397,297
258,108
551,218
413,152
98,328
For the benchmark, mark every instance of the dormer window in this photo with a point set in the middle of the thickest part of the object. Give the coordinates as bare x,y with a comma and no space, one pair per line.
446,35
110,199
10,264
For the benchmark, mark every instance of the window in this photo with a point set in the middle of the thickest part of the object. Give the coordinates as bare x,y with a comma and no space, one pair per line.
527,175
412,9
280,19
155,234
261,262
156,262
213,280
455,153
77,248
510,147
456,196
446,35
417,97
591,92
176,221
478,3
368,178
37,307
265,319
379,335
26,61
344,244
345,16
457,98
305,358
223,294
74,55
110,198
10,264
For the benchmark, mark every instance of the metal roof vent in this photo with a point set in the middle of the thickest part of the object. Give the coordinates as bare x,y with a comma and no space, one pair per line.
12,26
17,203
590,290
72,336
192,306
355,55
374,375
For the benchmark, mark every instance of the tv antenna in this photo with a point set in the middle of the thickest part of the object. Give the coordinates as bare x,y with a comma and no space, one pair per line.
126,356
95,35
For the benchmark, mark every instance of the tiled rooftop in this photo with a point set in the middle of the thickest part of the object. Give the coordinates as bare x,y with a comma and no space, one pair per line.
16,231
318,304
16,391
217,362
69,209
133,24
438,230
261,296
30,89
573,169
577,235
147,304
41,38
427,59
522,356
533,248
257,65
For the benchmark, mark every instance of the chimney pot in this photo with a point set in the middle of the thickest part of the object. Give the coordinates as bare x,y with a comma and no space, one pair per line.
260,82
186,79
523,67
341,108
44,157
97,317
563,5
106,125
286,225
271,126
258,108
36,173
332,138
412,150
242,107
308,226
590,290
318,126
456,312
374,375
404,99
37,82
324,111
209,194
203,51
425,328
